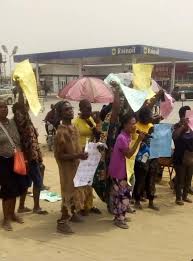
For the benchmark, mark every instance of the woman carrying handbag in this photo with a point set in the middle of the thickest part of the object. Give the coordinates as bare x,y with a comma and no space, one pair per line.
12,184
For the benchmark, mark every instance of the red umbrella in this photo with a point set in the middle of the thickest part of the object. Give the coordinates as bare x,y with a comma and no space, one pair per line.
90,88
62,93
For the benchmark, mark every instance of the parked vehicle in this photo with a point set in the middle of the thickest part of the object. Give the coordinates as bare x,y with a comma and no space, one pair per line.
185,90
6,86
7,95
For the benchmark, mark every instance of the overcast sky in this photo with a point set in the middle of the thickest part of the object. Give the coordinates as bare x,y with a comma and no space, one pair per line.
51,25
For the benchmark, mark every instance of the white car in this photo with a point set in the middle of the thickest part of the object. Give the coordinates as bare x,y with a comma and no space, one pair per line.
6,95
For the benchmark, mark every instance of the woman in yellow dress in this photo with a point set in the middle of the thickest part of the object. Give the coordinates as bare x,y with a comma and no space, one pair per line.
88,132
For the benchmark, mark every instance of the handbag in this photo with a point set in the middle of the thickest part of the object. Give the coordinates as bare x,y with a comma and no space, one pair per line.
188,158
19,161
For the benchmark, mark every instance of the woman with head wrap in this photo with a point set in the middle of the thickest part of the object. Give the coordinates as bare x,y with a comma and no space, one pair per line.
88,132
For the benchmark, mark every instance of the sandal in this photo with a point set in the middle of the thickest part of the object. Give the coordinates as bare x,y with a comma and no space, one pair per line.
76,218
143,199
45,188
138,206
84,213
179,202
6,225
130,210
63,227
187,200
17,219
40,211
121,224
127,219
23,210
95,210
153,207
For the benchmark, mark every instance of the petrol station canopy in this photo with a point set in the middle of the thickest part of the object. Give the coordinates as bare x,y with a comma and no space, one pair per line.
109,56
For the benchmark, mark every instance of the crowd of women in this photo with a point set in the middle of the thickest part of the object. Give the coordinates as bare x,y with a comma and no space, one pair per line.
125,174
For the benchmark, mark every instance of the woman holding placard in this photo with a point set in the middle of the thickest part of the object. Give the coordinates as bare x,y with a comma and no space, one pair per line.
88,132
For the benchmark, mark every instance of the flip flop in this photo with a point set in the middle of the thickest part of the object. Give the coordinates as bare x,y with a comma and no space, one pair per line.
45,188
63,227
95,210
24,210
7,226
40,211
17,219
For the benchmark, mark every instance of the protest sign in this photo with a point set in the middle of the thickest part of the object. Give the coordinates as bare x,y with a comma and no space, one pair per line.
161,143
86,169
142,78
134,97
24,74
166,106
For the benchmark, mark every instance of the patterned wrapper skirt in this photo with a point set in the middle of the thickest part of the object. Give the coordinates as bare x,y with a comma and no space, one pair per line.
120,195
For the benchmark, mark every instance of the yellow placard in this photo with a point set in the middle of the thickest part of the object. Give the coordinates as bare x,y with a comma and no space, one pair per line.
142,78
24,74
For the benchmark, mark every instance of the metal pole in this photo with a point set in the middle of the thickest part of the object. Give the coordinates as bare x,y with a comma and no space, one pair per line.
10,70
173,76
80,72
134,59
4,68
122,67
37,75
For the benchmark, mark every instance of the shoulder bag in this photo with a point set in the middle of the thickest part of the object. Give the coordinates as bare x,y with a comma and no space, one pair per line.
19,161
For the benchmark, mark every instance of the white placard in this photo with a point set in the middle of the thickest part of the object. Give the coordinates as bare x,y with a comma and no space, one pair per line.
87,168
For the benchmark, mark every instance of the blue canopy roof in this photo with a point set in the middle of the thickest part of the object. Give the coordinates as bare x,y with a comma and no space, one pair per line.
106,55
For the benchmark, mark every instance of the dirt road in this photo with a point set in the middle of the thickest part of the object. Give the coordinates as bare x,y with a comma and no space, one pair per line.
166,235
163,236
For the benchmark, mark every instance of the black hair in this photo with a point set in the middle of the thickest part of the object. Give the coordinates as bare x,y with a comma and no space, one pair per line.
126,118
59,107
83,102
105,110
24,108
17,107
182,111
145,115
